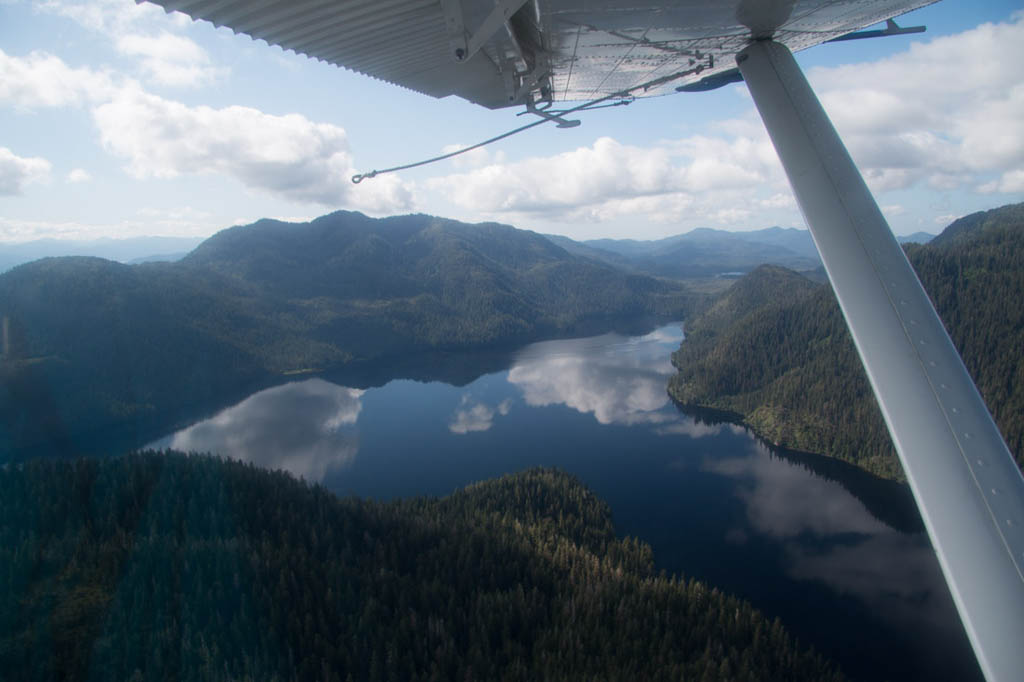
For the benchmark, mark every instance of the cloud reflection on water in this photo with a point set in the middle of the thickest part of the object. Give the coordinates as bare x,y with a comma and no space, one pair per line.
478,417
619,380
829,536
306,428
784,500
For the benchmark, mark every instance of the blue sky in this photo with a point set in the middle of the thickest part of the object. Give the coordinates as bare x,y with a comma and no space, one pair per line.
119,120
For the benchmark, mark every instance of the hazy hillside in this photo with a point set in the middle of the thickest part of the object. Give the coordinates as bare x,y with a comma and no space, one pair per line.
128,250
703,252
916,238
162,566
776,351
93,343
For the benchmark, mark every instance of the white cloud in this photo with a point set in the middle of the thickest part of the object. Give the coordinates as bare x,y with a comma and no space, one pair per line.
474,158
730,216
1011,182
608,180
161,56
111,17
16,172
42,80
779,200
170,59
79,175
941,112
289,156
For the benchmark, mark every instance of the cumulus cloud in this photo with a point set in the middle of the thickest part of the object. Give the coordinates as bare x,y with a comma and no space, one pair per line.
170,59
16,172
162,57
42,80
474,158
289,155
111,17
1011,182
78,175
608,180
941,112
779,200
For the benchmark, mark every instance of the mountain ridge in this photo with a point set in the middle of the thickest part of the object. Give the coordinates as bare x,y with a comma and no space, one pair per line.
260,301
786,366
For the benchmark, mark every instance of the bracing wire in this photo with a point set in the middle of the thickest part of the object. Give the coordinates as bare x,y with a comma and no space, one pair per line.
624,96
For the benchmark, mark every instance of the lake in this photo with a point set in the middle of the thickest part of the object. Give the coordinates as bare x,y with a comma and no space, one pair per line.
837,554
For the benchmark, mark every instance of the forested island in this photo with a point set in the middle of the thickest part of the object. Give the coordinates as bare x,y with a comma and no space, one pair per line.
774,351
96,348
165,566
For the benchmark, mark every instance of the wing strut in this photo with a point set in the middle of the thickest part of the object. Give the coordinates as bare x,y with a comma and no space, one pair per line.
967,486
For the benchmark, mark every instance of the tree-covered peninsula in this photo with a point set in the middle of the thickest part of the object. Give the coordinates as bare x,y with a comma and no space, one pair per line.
166,567
774,351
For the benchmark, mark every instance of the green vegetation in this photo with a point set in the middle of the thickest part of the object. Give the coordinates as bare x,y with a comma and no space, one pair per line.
774,350
141,348
162,567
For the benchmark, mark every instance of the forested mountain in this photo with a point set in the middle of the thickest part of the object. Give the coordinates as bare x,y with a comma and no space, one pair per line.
161,566
703,252
93,344
775,350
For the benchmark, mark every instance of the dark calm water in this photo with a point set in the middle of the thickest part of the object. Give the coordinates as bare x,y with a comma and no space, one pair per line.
838,555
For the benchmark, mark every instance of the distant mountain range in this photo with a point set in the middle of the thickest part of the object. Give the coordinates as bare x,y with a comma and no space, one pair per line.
773,351
91,342
701,253
129,250
706,252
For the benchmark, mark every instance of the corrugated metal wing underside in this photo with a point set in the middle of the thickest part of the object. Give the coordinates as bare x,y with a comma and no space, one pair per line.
577,50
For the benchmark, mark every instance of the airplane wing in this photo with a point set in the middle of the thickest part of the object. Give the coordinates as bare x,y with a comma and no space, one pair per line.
499,53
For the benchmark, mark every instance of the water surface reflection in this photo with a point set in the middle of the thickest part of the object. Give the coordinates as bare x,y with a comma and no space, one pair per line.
810,540
619,380
305,427
823,535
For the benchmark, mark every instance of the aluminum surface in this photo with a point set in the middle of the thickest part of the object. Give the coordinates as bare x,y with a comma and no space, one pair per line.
575,50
